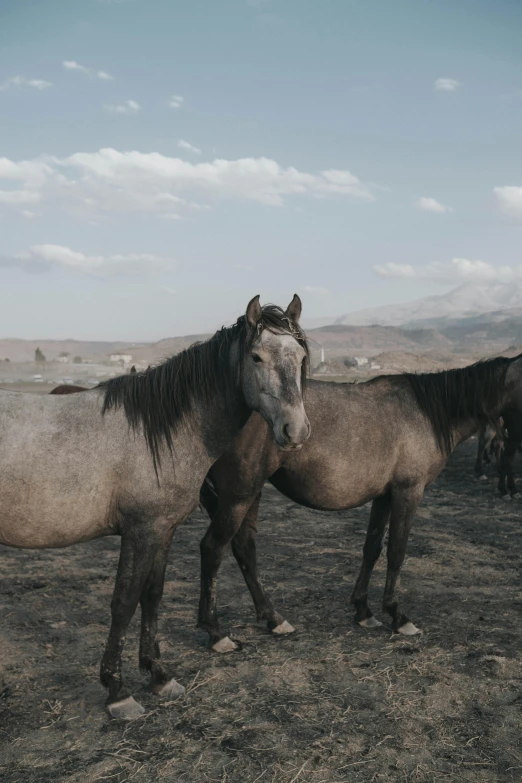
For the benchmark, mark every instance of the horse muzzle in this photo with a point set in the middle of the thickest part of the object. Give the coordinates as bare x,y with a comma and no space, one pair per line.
291,437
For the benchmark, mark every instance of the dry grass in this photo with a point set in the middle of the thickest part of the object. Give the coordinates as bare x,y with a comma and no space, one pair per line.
329,704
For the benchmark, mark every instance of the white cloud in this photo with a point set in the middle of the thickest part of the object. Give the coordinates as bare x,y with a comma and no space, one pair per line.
172,216
28,214
428,204
44,257
124,182
18,197
315,289
22,81
447,85
129,107
185,145
510,199
455,271
33,177
72,65
176,101
33,172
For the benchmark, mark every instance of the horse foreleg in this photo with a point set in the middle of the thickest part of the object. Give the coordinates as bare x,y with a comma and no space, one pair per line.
244,549
507,460
379,517
225,523
484,440
404,504
502,473
150,657
136,558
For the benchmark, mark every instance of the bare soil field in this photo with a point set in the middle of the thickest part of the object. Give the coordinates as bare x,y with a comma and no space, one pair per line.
331,703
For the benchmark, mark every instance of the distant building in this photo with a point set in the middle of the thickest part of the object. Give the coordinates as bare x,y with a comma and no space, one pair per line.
360,361
123,359
63,358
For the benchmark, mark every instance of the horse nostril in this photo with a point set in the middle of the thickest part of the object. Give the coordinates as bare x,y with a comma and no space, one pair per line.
286,432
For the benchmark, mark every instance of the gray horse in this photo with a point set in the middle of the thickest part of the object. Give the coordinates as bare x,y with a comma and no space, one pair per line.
384,441
129,457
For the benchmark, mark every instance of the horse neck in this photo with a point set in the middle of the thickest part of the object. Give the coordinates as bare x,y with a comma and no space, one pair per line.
221,422
511,396
508,398
221,417
464,429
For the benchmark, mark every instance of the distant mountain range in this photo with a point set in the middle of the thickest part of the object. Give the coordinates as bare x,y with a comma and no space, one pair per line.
497,301
471,321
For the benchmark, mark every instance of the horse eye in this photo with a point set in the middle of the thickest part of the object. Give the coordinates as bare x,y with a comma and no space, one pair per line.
256,358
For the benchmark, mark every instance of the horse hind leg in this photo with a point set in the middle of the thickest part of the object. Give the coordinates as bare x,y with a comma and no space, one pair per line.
150,657
379,516
136,558
244,550
507,459
403,507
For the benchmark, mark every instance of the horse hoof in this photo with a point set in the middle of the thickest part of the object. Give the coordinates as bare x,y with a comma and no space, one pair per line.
283,628
408,629
369,622
224,645
483,477
170,689
126,709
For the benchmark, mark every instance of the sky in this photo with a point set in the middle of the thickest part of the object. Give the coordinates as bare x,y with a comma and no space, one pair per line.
162,162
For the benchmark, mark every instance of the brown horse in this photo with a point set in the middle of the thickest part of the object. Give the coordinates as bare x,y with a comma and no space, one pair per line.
490,442
511,444
383,441
67,388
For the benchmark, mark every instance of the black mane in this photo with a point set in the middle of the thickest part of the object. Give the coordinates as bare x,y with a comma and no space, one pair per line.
470,392
160,398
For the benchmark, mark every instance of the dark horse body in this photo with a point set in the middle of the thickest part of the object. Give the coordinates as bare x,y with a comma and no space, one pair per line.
503,441
67,388
383,441
511,442
128,458
490,442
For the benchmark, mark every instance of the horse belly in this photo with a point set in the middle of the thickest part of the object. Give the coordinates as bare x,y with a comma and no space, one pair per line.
330,488
52,514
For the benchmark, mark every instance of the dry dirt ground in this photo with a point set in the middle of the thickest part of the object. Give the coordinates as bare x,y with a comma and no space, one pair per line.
331,703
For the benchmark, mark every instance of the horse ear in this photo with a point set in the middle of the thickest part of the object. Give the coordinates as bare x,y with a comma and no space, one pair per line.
253,311
293,311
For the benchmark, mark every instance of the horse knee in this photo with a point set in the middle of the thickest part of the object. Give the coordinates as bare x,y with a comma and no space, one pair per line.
372,551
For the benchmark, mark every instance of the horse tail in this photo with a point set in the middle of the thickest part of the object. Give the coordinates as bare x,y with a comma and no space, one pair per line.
208,496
